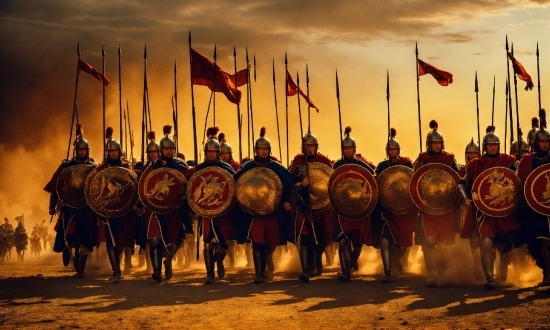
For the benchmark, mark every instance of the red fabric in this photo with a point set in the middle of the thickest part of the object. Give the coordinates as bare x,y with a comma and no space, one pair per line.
444,157
478,165
242,77
462,171
153,227
402,227
358,231
324,222
293,89
363,159
491,226
83,66
525,166
127,231
441,227
299,160
521,73
265,230
173,227
443,78
224,225
101,235
51,186
235,165
205,73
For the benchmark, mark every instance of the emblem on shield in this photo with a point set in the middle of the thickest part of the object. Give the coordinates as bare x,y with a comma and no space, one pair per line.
70,185
496,191
162,190
433,189
211,192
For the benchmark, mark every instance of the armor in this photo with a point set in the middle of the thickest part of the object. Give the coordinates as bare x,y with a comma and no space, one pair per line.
533,131
471,147
490,137
524,147
542,135
212,144
262,141
111,143
152,145
347,141
224,146
309,139
392,142
167,141
434,136
80,142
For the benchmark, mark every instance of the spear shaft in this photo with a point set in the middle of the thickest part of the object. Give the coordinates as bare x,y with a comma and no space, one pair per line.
286,105
506,116
214,104
538,77
196,151
175,100
144,108
103,86
493,107
508,82
308,102
75,111
418,101
517,107
339,114
238,107
387,99
248,100
477,109
276,112
120,94
305,146
250,88
299,104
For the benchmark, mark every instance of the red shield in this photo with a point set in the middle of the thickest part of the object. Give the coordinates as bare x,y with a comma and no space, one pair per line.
537,189
71,183
353,191
211,192
162,190
433,189
496,191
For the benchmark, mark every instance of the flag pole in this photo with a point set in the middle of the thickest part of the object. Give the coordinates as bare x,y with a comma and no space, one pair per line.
493,107
126,137
120,95
103,86
305,146
176,106
214,104
175,121
517,106
250,87
286,104
387,99
196,152
238,107
75,111
127,113
299,104
247,102
339,114
206,120
308,102
538,76
509,95
476,89
418,101
276,111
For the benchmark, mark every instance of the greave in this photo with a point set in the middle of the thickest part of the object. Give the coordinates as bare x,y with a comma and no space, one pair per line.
270,266
156,257
259,265
345,263
386,262
504,262
168,265
355,257
209,263
114,260
81,265
487,261
220,256
303,261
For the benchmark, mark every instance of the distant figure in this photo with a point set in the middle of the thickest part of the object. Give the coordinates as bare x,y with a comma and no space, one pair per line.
21,238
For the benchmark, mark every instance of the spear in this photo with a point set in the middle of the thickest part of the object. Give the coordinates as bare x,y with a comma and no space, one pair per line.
75,111
387,99
175,121
276,110
250,88
538,76
248,101
175,100
418,101
339,113
131,132
477,109
286,104
506,116
508,82
305,146
120,94
214,102
299,104
517,106
238,107
103,86
126,135
308,103
196,151
493,108
144,109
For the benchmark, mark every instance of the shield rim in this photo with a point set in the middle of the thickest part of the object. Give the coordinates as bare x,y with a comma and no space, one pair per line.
487,210
418,174
143,180
326,205
110,214
58,183
278,196
373,185
528,193
383,174
227,205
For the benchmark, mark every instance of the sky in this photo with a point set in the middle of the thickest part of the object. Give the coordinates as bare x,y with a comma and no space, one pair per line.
361,40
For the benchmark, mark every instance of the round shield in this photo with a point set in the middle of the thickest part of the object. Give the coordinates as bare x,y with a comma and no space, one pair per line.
70,185
162,190
211,192
319,174
496,191
353,192
536,189
259,191
111,192
433,189
393,189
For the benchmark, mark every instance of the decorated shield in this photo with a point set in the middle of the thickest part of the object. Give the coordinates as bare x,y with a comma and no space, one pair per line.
496,191
433,189
111,192
211,192
71,183
353,192
259,191
393,190
162,190
319,174
536,189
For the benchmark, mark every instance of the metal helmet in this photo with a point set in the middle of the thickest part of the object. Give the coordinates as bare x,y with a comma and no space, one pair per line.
542,135
392,142
309,139
224,146
533,130
152,145
523,146
212,144
490,137
167,141
262,142
434,136
471,147
111,143
80,142
348,141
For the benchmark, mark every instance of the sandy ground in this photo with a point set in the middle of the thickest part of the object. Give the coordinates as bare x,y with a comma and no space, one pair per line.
41,293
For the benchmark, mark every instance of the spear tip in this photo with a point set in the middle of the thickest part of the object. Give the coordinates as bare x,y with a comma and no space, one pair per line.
537,49
102,49
234,51
145,52
507,42
416,48
119,49
286,59
78,48
189,37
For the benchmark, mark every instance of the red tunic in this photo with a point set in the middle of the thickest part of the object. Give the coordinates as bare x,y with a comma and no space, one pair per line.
358,231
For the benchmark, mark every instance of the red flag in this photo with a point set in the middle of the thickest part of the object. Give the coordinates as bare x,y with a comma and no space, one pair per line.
204,72
292,89
443,78
242,77
83,66
520,71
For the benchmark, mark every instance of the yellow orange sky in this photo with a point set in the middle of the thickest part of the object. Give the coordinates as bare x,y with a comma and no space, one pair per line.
361,39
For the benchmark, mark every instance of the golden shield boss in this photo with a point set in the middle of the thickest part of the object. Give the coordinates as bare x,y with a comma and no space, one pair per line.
393,189
162,190
211,192
496,191
433,189
70,185
111,192
259,191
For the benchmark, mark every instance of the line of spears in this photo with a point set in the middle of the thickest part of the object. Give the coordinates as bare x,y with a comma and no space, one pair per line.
498,201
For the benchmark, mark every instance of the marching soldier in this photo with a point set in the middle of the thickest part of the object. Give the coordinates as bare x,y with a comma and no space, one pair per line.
433,230
354,233
76,227
312,232
217,231
165,232
392,232
531,133
520,151
265,231
495,232
470,153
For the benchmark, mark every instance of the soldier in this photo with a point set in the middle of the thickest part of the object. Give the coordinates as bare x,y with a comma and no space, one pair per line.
76,228
165,232
434,230
522,150
531,133
534,228
265,232
218,231
470,153
494,232
393,233
312,233
354,233
7,225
